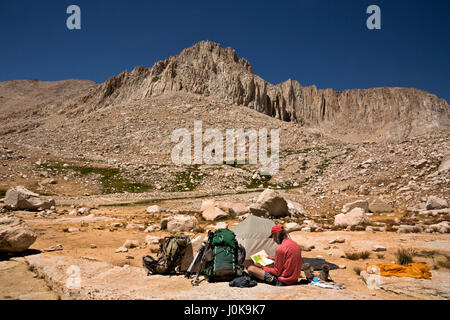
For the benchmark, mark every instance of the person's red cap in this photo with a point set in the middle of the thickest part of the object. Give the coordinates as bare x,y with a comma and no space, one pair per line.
276,228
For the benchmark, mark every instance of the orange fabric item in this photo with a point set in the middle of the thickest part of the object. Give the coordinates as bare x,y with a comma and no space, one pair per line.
412,270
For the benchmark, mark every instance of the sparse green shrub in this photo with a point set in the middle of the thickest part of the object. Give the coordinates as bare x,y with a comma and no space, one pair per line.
110,178
255,183
187,180
404,256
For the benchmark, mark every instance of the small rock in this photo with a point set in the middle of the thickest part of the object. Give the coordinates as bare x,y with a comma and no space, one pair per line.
307,247
436,203
83,211
364,190
220,225
135,226
445,164
152,240
292,226
338,253
378,248
154,209
56,247
121,249
129,244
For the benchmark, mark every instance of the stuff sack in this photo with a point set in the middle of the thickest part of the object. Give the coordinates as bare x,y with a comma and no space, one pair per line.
170,253
224,257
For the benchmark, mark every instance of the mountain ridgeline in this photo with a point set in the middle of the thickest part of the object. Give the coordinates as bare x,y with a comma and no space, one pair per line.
208,69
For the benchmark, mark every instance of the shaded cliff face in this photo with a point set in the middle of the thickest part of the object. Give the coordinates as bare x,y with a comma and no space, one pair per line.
208,69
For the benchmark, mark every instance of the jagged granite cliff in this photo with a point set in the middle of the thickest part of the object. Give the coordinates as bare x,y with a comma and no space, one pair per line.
208,69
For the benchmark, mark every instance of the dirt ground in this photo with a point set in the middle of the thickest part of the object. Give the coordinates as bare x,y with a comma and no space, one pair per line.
97,241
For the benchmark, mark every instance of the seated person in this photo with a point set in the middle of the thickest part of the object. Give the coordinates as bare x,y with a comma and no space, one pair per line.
288,261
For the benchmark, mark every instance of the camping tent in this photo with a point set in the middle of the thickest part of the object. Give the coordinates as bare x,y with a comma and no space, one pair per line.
253,233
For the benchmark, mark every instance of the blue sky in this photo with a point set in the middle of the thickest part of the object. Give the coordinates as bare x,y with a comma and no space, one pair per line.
321,42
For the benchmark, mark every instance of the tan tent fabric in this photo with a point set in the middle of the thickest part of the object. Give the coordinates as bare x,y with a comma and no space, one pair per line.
253,233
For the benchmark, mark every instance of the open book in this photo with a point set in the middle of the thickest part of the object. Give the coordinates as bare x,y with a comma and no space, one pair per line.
261,258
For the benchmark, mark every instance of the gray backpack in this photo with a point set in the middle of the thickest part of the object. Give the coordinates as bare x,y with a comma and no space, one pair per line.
170,253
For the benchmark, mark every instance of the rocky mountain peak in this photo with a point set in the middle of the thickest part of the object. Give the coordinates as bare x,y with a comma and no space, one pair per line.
208,69
214,54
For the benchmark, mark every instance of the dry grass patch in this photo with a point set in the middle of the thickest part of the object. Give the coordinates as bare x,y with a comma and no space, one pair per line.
404,256
445,264
357,255
425,253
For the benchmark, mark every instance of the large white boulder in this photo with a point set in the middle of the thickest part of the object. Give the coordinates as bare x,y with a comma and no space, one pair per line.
214,213
270,203
15,235
23,199
356,216
295,209
363,204
231,208
180,223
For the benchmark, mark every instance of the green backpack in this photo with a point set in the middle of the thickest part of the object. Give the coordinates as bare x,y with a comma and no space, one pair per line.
224,258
